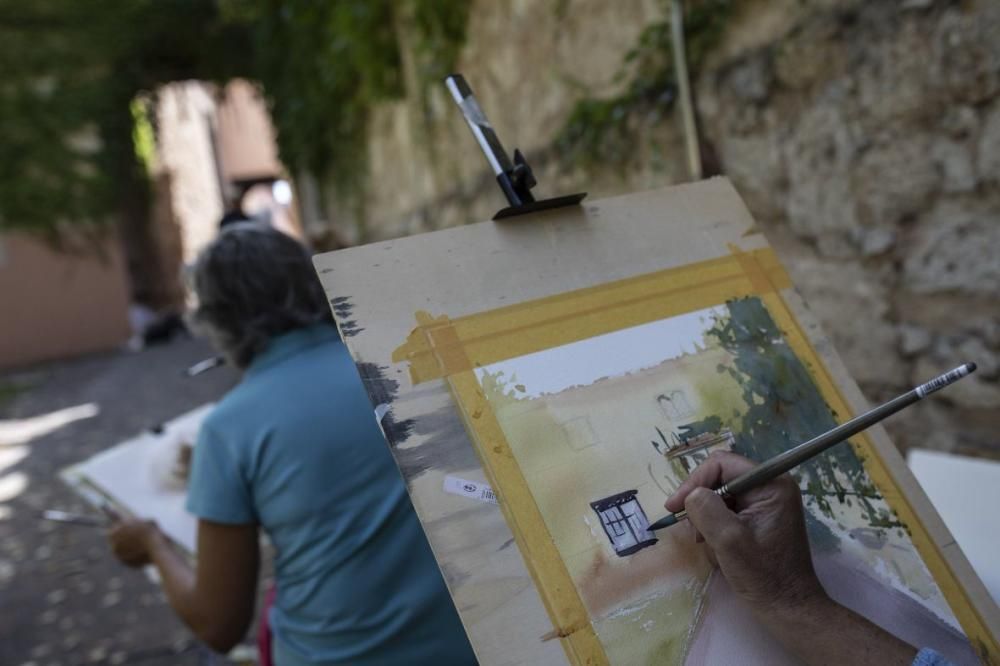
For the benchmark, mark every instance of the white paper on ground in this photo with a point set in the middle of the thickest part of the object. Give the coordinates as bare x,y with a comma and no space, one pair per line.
965,491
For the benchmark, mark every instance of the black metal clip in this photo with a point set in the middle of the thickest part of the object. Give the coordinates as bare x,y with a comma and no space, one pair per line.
515,179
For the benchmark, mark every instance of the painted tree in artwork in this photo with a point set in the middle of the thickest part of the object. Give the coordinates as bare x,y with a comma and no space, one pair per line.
784,408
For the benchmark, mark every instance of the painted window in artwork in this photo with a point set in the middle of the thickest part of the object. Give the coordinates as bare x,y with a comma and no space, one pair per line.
675,405
624,522
580,433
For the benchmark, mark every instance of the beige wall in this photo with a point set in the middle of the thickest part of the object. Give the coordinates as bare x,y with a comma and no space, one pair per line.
185,114
55,304
206,139
244,134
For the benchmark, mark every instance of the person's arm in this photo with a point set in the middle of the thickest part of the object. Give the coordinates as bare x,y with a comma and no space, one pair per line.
216,598
761,547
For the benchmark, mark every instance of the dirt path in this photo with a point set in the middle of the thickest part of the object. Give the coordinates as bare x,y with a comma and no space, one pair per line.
63,599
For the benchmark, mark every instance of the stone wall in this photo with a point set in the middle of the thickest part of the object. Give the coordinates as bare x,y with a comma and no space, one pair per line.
864,136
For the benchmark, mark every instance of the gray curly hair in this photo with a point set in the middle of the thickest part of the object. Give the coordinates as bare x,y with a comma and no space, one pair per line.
254,283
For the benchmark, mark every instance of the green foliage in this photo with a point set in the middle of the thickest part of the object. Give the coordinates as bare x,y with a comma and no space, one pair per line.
71,70
605,130
500,390
9,391
143,137
72,144
325,65
785,408
440,35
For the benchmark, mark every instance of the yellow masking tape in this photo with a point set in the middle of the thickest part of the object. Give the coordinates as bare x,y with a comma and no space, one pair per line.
525,328
552,579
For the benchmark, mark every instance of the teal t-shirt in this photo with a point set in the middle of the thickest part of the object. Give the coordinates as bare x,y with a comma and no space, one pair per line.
295,448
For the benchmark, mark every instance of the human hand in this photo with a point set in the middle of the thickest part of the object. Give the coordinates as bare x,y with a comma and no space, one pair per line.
761,547
759,544
131,540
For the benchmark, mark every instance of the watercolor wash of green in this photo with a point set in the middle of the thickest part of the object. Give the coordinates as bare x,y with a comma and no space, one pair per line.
785,408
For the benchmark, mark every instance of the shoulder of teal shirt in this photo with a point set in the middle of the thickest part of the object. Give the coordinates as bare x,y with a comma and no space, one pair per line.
279,349
219,487
291,343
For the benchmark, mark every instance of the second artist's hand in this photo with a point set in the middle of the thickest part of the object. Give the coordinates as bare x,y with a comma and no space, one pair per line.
131,540
760,545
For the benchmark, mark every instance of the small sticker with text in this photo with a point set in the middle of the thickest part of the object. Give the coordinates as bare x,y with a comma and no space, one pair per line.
471,489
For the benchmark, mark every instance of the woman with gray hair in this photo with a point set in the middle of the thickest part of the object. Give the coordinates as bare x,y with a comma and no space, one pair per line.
294,450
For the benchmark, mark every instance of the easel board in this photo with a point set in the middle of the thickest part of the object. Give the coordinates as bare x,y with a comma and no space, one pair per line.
481,337
130,476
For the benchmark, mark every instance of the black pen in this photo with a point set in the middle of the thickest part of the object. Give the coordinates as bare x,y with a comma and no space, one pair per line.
781,463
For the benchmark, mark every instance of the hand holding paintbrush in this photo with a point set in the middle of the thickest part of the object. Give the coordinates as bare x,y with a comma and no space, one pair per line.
763,552
758,540
783,462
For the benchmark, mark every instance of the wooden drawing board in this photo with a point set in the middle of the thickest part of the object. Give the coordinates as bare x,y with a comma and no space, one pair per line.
420,315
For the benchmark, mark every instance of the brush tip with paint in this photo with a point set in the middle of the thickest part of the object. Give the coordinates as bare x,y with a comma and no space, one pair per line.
666,521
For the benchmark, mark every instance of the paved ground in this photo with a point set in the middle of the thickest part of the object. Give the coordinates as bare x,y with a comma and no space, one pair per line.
63,599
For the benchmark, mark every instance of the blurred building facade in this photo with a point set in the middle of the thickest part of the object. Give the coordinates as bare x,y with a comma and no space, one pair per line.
57,303
212,146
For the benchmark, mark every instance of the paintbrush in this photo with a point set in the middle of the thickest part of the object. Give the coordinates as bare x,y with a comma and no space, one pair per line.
204,366
74,518
781,463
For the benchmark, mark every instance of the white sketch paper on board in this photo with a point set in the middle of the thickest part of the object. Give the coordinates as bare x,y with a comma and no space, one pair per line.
137,475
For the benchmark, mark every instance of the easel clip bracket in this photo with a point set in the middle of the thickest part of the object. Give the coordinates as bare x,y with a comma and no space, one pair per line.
514,177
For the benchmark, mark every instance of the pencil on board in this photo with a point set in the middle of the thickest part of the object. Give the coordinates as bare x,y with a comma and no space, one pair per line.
783,462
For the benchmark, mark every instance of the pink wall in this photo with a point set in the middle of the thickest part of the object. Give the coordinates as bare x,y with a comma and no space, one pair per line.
54,305
247,147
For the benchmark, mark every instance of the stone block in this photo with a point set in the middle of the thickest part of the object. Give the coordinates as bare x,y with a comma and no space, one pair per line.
988,149
973,392
965,52
894,179
810,56
852,303
913,340
818,153
750,81
954,248
960,121
954,161
754,165
975,350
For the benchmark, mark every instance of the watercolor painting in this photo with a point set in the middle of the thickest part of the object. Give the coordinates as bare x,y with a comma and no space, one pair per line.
605,429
